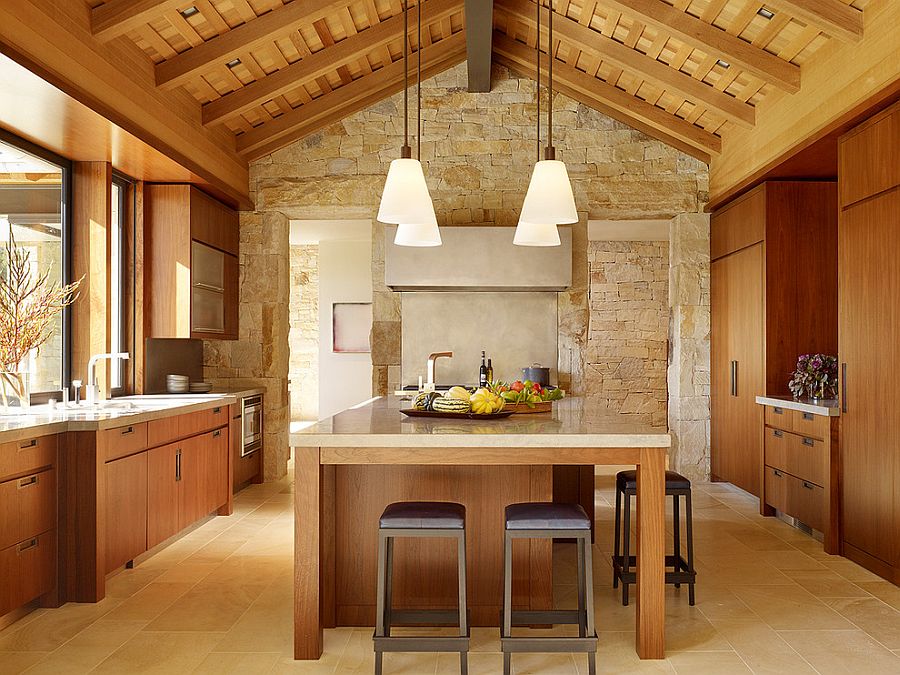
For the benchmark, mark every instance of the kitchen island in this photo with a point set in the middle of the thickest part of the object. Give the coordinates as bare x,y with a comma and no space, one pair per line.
350,466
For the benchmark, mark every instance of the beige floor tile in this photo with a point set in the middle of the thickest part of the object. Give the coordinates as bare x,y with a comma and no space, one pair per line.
879,620
843,652
790,608
128,582
687,629
358,657
87,649
762,649
545,664
479,663
615,654
791,560
187,573
884,591
709,663
825,583
163,653
732,570
54,628
150,601
266,626
237,664
13,663
208,607
718,603
850,570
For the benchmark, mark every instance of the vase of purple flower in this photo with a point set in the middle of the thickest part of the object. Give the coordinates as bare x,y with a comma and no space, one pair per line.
816,376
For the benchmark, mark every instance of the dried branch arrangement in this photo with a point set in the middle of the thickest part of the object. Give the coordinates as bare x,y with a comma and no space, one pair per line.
28,304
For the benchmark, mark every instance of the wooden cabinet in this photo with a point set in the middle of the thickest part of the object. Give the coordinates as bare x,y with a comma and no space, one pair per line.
191,264
766,310
163,490
126,509
27,571
870,342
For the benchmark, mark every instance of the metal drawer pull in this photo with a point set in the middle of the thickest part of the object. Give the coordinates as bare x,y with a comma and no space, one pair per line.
27,545
734,376
778,411
129,430
843,387
216,411
27,482
28,444
778,473
808,485
808,441
217,433
808,416
778,433
178,466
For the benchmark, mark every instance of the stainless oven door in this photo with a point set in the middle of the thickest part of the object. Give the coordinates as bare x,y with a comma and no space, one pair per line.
252,425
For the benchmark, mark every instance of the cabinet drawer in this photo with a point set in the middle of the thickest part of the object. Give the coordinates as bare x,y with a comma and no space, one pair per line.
778,449
780,418
795,497
27,571
217,417
777,488
27,507
124,441
801,456
817,426
27,455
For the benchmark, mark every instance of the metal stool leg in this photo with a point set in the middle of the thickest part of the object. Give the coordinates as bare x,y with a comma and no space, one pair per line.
617,534
380,597
461,582
589,598
626,546
676,533
507,599
689,526
580,573
389,586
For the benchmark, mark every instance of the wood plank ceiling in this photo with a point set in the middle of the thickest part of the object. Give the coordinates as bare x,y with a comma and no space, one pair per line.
684,71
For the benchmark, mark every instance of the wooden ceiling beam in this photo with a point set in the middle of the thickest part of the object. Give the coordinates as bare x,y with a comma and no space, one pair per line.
116,17
324,61
616,53
612,101
246,37
711,40
479,30
347,99
832,17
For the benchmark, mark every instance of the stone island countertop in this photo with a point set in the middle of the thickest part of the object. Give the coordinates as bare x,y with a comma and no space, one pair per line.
825,407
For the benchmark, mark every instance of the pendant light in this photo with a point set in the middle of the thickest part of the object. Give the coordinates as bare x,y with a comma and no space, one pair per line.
405,200
549,200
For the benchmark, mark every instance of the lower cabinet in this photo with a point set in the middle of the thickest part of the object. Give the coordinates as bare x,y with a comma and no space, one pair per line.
126,509
27,571
796,497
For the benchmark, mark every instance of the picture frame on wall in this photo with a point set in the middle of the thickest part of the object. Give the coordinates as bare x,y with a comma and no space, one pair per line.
351,327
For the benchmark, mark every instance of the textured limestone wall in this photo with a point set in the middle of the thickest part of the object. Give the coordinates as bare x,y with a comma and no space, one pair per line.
688,376
260,356
629,321
304,334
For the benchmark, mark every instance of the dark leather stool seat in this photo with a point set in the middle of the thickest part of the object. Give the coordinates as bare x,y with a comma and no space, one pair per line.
627,480
546,516
423,516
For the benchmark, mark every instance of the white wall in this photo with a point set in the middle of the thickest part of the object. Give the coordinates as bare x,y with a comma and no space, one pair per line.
345,275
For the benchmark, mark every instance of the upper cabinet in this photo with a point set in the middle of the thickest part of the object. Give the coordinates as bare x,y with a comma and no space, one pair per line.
191,264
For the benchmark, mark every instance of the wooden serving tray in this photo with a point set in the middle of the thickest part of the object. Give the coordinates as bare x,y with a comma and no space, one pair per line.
412,412
523,409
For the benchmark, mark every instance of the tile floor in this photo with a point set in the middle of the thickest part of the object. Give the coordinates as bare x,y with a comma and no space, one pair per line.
219,601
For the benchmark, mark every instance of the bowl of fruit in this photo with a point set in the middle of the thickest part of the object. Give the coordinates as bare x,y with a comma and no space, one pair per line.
458,402
527,397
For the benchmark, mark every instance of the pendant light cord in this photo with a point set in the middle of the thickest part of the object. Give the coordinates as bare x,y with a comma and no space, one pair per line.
538,59
550,80
419,82
404,152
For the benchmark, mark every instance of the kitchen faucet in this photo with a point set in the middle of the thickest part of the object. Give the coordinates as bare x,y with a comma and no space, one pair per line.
429,385
90,393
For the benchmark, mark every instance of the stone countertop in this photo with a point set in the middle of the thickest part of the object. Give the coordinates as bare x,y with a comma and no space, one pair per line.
121,411
825,407
572,424
239,392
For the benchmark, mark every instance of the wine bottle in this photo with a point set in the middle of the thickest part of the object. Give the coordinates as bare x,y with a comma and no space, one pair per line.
482,372
490,372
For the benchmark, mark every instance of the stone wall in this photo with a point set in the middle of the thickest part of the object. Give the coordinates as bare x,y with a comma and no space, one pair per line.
259,358
303,372
629,321
689,365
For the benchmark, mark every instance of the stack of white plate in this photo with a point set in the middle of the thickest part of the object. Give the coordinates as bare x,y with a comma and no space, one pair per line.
177,384
200,387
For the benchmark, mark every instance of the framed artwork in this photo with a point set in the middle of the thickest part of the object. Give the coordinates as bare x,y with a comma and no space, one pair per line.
350,327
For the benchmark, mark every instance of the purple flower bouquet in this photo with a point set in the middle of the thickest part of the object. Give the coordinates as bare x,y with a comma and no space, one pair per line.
816,376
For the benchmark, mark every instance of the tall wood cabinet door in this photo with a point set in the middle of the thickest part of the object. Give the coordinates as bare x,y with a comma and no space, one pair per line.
126,509
869,238
194,464
720,358
163,493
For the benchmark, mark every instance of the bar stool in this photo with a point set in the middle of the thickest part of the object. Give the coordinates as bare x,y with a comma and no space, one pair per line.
419,519
546,520
683,570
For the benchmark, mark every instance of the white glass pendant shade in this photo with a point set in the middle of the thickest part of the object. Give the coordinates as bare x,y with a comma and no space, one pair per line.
549,198
421,235
405,198
531,234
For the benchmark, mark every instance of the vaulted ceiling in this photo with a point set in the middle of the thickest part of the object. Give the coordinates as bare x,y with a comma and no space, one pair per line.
683,71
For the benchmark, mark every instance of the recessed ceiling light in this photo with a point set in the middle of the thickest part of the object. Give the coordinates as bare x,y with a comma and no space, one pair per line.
189,12
765,13
723,64
233,63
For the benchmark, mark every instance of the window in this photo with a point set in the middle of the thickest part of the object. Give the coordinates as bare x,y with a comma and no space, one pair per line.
34,193
117,282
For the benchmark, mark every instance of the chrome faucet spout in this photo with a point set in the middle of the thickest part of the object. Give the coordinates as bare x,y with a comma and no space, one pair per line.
430,366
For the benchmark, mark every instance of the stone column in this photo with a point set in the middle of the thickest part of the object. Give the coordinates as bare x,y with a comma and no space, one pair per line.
688,375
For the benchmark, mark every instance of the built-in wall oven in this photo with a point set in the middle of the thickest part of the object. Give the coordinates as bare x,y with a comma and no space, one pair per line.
251,424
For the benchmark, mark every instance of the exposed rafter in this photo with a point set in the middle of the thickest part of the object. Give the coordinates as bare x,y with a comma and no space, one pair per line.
612,101
712,40
251,35
833,17
117,17
479,29
347,99
630,59
323,61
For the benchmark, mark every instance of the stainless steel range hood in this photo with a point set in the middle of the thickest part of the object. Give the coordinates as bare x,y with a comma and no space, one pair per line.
476,258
